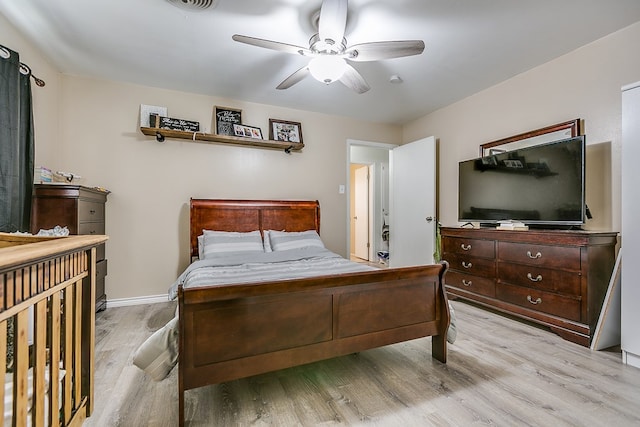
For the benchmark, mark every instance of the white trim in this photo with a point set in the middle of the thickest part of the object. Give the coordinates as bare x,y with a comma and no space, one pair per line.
630,359
125,302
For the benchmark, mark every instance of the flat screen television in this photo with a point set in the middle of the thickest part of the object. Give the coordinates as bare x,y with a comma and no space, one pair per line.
541,186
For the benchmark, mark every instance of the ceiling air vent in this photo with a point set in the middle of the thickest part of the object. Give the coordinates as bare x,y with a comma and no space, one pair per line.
194,4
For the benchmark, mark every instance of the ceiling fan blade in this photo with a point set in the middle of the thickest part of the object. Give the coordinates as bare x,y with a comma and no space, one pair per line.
268,44
294,78
333,20
354,80
384,50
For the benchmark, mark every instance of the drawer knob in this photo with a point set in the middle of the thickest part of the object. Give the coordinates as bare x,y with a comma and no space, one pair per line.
537,255
536,302
465,247
465,283
467,264
538,278
92,212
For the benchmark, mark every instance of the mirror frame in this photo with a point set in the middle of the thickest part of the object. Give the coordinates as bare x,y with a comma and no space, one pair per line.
555,132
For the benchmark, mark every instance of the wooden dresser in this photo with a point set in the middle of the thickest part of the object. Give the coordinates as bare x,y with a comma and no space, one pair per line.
556,278
82,210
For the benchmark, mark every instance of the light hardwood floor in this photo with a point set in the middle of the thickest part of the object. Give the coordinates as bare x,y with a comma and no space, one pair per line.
500,372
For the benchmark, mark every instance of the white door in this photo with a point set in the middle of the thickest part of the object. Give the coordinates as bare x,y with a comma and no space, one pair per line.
361,217
412,213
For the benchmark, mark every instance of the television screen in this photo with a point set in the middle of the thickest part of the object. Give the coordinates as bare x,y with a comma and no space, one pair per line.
542,184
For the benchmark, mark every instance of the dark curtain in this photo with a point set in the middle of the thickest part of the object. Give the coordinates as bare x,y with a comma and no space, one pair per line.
16,145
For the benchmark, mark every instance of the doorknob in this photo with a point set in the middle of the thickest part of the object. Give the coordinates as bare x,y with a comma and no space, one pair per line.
429,218
355,217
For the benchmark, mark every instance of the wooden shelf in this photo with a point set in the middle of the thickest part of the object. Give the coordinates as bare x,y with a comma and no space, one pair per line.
209,138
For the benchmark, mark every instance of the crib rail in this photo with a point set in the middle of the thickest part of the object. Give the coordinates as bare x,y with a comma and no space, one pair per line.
47,321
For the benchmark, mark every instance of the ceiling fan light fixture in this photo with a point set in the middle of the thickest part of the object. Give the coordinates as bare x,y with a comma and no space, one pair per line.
329,55
327,68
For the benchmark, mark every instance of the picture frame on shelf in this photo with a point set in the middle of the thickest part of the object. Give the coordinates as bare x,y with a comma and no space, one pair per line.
247,131
147,110
224,118
283,130
513,163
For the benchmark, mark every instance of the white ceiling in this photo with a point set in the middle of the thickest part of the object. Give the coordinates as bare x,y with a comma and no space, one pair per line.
470,45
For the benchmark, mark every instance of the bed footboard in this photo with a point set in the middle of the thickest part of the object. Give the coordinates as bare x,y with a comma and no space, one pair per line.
47,329
235,331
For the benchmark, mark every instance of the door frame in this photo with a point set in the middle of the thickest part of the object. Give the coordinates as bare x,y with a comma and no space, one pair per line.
371,144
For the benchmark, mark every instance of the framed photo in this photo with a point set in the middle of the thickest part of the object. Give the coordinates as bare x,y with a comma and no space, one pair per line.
247,131
281,130
513,163
224,118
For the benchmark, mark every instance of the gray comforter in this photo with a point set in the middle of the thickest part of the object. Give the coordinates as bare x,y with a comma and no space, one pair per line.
264,266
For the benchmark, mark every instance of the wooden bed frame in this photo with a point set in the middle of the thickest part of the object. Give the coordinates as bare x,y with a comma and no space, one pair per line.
47,292
235,331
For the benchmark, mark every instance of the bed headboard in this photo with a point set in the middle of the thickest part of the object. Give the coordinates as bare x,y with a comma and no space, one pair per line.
249,215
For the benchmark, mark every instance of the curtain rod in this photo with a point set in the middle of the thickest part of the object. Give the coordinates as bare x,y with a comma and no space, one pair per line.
24,68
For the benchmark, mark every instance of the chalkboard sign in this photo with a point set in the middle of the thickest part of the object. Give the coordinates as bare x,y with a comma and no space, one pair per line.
175,124
225,118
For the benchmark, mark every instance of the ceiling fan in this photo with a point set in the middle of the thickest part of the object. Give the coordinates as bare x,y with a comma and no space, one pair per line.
330,54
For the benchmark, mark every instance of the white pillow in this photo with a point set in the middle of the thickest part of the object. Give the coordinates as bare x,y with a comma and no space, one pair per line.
283,240
225,242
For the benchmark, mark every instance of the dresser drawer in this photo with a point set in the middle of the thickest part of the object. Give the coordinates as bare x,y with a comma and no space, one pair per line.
467,282
90,211
101,269
471,265
91,228
535,277
470,247
544,302
564,257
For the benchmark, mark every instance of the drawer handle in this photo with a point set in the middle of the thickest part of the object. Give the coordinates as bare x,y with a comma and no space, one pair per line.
92,212
465,248
465,283
537,255
92,232
467,264
534,279
536,302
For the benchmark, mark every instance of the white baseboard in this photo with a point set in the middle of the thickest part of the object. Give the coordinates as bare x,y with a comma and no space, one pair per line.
124,302
630,359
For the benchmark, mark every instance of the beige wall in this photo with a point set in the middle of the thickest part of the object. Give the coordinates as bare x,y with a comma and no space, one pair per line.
582,84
